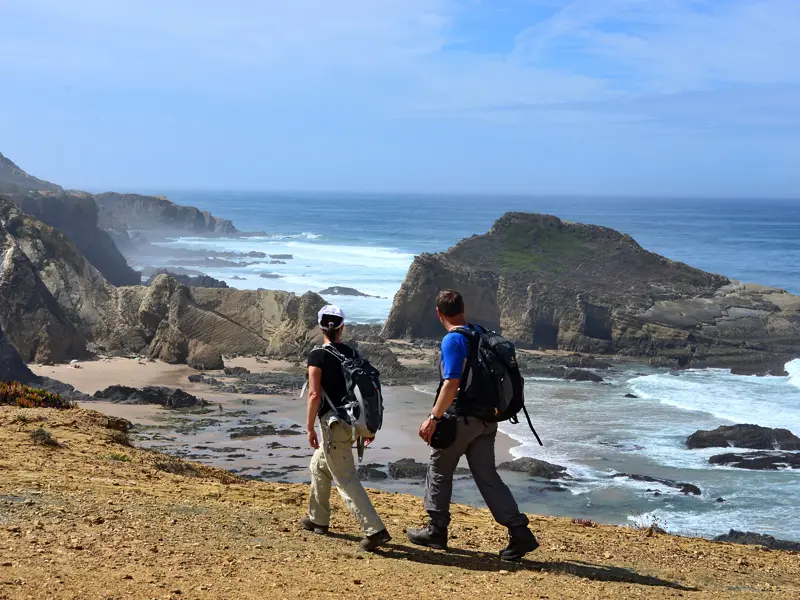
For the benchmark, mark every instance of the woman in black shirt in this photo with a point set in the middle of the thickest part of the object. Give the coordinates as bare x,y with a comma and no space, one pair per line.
333,458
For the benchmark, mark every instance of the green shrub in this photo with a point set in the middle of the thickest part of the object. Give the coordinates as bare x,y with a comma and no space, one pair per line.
119,456
24,396
43,437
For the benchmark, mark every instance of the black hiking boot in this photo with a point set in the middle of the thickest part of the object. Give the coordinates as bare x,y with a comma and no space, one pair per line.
374,541
309,525
431,536
522,541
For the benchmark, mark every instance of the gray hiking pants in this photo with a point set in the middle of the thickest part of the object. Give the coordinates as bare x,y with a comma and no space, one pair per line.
475,439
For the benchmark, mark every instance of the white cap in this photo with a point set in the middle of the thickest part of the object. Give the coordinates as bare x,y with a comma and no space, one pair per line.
330,310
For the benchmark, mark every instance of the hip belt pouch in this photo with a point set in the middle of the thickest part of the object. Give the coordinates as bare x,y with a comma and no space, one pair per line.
445,433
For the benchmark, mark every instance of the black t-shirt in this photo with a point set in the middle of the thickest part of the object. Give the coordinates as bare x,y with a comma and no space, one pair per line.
332,377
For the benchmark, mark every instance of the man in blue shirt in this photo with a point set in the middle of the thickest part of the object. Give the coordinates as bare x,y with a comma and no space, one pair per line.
474,438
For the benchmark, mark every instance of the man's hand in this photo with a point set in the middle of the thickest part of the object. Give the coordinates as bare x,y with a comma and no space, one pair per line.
427,429
312,438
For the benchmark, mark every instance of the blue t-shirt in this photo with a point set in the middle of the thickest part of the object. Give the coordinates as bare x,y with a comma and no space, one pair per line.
455,352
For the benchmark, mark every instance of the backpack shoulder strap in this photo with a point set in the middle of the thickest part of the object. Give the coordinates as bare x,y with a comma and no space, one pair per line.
331,349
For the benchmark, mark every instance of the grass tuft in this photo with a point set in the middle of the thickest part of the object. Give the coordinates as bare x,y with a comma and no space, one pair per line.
43,437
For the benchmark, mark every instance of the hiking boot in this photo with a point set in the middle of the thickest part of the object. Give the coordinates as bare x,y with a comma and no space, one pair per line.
430,536
372,542
522,541
309,525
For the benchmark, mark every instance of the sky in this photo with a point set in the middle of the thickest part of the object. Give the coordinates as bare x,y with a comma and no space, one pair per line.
606,97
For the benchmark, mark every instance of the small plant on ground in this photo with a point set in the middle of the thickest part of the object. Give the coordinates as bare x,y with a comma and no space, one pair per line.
17,394
650,524
43,437
24,419
584,522
178,468
119,456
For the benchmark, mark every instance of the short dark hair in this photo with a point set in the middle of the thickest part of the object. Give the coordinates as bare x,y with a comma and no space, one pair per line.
450,303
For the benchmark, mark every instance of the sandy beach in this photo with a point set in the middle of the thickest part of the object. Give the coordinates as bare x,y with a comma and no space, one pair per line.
206,437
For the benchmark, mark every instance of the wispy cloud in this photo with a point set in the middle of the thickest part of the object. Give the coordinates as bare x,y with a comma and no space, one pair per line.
506,72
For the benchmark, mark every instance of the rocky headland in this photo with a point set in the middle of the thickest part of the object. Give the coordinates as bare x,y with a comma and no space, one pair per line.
56,306
549,284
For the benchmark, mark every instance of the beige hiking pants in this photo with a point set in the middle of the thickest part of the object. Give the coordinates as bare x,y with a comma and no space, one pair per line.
333,463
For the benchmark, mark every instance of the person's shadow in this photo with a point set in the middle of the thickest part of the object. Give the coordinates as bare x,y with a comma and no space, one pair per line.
483,561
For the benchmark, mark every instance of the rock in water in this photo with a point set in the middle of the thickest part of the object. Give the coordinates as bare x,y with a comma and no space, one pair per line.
344,291
758,461
685,488
535,468
408,468
584,288
757,539
371,473
203,357
744,436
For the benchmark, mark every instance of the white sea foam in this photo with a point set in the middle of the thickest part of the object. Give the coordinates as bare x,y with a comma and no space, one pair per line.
793,368
767,401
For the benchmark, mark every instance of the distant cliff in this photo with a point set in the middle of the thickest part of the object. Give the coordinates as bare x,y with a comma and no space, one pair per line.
551,284
159,215
76,216
15,180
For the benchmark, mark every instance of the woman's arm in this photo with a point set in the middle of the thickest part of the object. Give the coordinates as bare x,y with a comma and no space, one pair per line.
314,402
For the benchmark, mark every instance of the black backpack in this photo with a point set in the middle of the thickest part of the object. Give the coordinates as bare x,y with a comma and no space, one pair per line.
492,388
362,408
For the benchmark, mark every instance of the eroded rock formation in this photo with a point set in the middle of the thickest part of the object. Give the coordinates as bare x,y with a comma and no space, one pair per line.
546,283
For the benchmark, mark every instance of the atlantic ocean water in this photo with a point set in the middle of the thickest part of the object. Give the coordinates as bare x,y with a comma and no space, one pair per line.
368,241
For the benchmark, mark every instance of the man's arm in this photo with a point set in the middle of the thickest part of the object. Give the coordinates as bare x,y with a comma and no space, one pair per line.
447,396
314,402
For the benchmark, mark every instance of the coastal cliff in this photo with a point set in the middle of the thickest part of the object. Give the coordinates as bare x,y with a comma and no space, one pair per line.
156,214
76,215
550,284
54,304
15,180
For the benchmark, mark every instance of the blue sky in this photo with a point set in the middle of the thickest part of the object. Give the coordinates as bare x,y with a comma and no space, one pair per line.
633,97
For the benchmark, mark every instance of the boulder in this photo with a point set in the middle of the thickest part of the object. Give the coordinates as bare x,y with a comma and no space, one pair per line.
409,468
754,437
758,461
535,468
203,357
169,344
371,473
162,396
757,539
684,488
236,371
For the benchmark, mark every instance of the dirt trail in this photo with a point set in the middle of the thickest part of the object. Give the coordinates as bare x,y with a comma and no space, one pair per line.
96,519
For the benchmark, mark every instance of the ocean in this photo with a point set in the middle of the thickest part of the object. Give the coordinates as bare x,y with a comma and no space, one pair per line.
368,241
